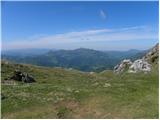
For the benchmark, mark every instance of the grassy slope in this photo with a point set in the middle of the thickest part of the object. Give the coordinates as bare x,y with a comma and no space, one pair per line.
60,93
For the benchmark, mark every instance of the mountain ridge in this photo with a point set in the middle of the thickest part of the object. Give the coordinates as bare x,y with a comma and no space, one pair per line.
82,59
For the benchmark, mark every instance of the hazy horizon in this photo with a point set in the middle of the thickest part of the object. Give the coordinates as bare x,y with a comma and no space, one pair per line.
48,49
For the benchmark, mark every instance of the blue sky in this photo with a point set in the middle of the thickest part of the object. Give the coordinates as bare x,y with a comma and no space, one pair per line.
71,25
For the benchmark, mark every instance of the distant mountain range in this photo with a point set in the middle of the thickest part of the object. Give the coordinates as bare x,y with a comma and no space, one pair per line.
82,59
25,52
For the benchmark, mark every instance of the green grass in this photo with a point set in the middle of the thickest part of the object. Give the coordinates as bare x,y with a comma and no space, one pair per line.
60,93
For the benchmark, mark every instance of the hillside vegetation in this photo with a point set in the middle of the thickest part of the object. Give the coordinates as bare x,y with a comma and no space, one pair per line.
68,93
80,59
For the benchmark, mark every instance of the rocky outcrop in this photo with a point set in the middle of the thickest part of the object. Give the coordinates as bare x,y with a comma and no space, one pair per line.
24,77
124,65
139,65
153,55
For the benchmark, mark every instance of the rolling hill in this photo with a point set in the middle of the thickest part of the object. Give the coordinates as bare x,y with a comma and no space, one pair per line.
81,59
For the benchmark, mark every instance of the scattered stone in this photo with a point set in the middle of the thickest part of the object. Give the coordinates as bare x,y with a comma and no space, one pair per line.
95,84
107,85
91,73
70,69
69,89
77,91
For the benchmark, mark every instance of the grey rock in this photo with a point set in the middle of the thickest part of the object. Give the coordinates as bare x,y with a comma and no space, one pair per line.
122,66
23,77
139,65
153,54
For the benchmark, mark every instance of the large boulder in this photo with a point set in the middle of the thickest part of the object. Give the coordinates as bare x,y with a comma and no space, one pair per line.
27,78
23,77
124,65
140,65
17,75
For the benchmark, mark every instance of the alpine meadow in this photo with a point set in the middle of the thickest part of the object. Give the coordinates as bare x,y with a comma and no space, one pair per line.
80,60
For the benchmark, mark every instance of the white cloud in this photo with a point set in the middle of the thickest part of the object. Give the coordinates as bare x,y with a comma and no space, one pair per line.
79,38
102,14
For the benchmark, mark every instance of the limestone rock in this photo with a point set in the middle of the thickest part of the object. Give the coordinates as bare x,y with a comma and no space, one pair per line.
122,66
153,54
91,73
107,85
140,65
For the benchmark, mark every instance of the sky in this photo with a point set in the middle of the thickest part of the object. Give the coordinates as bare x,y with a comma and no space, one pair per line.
71,25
